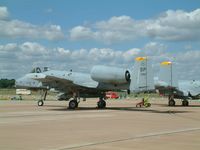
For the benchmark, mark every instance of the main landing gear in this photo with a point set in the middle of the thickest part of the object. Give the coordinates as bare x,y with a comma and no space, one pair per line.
171,101
73,104
185,103
101,103
43,98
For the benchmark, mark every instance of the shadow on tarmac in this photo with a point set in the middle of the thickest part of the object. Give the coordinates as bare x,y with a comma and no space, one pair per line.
165,105
133,109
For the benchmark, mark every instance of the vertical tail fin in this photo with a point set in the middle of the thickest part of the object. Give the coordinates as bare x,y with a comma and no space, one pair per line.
167,74
142,76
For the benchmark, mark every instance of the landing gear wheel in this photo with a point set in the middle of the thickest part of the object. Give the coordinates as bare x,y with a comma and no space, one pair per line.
73,104
40,103
101,104
185,103
172,102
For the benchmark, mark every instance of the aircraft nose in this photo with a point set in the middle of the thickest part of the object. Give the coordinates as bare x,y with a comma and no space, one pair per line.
18,82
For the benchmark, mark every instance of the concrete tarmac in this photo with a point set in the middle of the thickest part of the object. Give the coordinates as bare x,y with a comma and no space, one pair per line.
121,126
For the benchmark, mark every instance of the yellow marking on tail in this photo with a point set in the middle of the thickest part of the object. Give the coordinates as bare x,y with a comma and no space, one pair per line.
140,58
166,63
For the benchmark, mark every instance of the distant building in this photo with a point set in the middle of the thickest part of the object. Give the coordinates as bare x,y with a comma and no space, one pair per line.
23,92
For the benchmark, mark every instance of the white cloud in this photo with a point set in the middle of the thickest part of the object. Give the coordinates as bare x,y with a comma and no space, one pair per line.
32,48
31,54
3,12
175,25
8,47
114,30
128,55
18,59
187,64
81,32
170,25
154,48
63,52
20,29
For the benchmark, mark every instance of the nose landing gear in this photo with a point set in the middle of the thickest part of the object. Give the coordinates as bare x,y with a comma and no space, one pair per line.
43,98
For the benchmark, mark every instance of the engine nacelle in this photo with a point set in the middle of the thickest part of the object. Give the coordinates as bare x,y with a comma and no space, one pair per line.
110,74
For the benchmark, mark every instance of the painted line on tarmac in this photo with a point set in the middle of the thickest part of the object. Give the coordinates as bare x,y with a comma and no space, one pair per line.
132,138
35,114
13,121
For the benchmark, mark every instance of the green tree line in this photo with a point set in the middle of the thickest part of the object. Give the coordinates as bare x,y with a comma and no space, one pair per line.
7,83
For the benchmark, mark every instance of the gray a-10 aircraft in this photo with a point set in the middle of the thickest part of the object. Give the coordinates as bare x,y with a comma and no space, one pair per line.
168,84
76,85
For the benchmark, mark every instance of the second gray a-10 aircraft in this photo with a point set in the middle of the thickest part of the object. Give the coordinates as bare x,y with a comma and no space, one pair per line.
76,85
168,84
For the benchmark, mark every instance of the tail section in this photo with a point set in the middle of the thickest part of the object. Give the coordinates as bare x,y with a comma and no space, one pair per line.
167,74
142,76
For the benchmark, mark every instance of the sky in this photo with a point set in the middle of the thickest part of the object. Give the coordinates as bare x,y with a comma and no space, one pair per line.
78,34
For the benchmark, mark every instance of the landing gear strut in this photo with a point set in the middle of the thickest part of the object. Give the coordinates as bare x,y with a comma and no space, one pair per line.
43,98
101,103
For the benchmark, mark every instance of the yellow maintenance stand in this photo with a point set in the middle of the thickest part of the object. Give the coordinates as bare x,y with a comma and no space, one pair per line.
144,103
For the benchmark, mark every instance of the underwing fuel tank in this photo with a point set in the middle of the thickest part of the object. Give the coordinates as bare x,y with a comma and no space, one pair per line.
108,74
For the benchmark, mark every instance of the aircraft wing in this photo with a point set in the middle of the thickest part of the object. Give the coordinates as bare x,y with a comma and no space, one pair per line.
45,78
65,80
88,84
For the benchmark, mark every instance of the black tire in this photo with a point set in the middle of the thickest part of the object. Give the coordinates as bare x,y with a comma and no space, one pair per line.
73,104
101,104
40,103
172,102
185,103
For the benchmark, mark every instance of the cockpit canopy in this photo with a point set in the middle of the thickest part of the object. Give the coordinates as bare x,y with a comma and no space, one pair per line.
39,70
